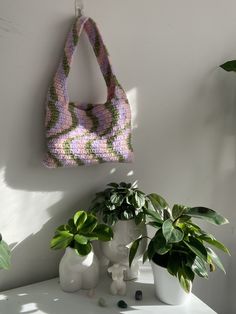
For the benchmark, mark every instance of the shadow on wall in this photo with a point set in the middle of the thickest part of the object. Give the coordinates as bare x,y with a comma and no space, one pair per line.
23,256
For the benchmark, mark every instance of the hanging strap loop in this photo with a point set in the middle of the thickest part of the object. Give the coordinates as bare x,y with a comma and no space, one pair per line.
101,53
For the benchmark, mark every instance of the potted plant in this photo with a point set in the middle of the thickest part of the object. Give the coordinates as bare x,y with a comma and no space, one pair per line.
79,267
5,256
179,248
122,207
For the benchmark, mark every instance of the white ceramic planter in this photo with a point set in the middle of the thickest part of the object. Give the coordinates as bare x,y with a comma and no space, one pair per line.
117,250
167,287
78,272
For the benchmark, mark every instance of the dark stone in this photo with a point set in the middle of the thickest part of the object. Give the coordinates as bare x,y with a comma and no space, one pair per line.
138,295
122,304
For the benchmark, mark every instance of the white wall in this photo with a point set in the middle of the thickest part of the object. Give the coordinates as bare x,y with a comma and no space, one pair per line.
166,55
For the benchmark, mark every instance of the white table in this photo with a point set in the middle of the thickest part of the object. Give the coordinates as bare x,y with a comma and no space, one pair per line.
47,298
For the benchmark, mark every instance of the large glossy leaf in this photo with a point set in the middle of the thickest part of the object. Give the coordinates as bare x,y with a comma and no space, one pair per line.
133,250
103,232
160,245
158,201
184,281
206,214
215,259
139,218
211,240
178,211
139,200
80,218
61,240
189,273
197,248
5,258
71,226
229,66
199,267
80,239
174,264
83,250
117,199
89,225
151,250
171,233
154,215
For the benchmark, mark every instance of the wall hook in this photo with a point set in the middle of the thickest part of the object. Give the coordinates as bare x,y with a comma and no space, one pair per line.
79,6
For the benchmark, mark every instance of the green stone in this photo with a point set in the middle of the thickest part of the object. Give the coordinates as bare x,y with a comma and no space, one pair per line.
102,302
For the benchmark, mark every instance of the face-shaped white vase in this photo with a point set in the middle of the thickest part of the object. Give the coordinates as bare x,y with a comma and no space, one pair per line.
78,272
117,250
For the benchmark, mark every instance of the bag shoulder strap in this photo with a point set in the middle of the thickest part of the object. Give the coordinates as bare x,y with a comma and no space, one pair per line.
61,77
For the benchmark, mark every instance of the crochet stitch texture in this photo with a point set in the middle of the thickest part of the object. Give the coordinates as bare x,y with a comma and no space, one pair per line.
84,134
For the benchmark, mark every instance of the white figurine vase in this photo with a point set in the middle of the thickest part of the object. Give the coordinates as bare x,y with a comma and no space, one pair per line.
78,272
167,287
117,250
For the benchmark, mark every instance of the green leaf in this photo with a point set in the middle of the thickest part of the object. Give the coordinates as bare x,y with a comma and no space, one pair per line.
155,215
174,264
79,219
155,224
229,66
5,257
124,185
197,248
127,214
184,219
113,184
117,199
139,200
158,201
89,225
206,214
61,240
184,281
71,226
133,250
134,185
171,234
178,210
215,259
211,240
139,218
81,239
103,232
199,267
188,272
61,228
83,250
160,245
151,250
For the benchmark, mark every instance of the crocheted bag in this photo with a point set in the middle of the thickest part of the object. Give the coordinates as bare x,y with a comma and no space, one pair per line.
84,134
